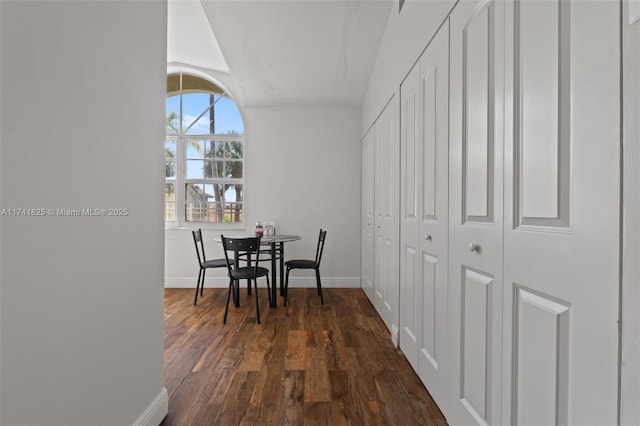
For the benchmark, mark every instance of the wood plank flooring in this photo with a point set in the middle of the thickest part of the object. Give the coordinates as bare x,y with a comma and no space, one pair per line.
305,364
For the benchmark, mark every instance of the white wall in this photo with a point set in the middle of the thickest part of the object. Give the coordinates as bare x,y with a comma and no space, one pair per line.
406,36
303,172
630,379
0,224
83,89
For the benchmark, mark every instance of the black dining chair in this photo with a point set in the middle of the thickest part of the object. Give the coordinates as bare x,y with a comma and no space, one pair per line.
203,262
307,264
238,246
265,256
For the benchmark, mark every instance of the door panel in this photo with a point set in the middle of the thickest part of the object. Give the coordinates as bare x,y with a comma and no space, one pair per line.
562,186
409,218
430,126
477,100
542,96
430,347
367,220
386,284
409,314
433,233
424,226
477,312
475,216
541,358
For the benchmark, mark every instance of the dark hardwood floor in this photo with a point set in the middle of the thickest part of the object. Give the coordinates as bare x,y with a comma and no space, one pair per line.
305,364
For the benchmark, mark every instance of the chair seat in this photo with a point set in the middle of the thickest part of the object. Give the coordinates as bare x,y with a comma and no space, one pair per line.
215,263
301,264
247,272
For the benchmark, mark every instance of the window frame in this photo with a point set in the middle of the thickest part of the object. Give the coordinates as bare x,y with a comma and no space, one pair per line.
180,180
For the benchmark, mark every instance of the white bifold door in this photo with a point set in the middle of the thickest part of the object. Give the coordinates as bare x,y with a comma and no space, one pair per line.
367,219
380,210
424,218
534,212
386,201
510,213
562,209
476,212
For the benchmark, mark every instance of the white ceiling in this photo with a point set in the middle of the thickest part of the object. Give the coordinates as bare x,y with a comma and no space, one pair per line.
190,40
292,52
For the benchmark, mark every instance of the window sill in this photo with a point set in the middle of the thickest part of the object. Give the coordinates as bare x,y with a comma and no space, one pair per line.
207,226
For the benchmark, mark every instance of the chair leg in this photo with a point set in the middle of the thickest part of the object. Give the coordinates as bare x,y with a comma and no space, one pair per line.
236,292
319,285
268,290
204,271
255,283
281,250
197,288
249,280
235,296
286,287
226,309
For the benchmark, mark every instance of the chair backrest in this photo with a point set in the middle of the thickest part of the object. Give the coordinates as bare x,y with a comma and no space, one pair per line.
197,239
241,245
320,247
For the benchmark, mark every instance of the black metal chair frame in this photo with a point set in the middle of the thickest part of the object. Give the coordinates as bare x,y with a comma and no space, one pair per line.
263,252
247,258
243,246
203,262
307,264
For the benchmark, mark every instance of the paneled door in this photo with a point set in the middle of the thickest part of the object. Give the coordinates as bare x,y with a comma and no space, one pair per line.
367,219
434,221
424,235
562,181
386,212
476,212
410,281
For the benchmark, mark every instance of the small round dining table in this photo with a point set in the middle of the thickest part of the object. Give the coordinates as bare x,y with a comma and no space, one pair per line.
276,243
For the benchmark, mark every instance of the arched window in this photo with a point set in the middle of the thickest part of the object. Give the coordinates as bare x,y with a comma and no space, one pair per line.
204,153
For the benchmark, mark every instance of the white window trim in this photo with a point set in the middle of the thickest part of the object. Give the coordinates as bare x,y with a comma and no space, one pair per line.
180,179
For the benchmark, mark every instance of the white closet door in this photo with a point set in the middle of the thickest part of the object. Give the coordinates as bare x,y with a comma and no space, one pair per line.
476,206
433,188
367,221
386,212
410,280
424,213
562,213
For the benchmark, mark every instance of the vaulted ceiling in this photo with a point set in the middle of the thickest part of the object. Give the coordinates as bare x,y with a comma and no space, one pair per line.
293,52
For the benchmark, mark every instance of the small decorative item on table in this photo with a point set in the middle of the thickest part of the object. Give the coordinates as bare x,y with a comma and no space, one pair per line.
269,229
259,229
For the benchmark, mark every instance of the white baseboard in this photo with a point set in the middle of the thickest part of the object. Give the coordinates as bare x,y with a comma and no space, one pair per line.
301,282
394,335
156,411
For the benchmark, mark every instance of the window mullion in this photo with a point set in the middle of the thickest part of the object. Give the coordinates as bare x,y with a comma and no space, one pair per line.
181,166
180,180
